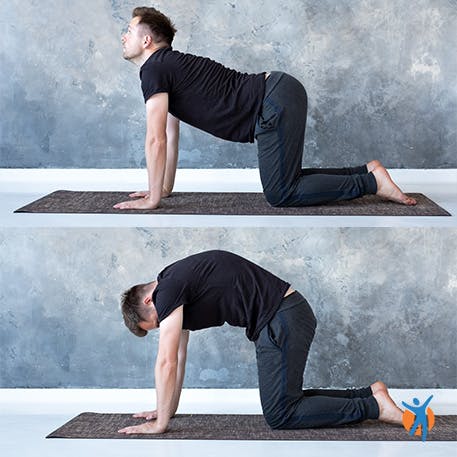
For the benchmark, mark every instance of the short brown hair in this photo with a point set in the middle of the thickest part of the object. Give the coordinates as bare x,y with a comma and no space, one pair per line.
160,26
133,309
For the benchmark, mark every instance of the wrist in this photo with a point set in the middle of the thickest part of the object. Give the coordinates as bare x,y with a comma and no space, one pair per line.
153,201
161,424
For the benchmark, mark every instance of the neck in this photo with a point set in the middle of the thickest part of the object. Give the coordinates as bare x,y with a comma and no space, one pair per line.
140,60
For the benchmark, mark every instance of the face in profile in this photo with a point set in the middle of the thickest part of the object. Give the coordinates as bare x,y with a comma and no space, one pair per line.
132,40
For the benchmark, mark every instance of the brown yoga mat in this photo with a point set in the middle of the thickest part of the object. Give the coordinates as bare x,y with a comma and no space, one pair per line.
227,203
245,427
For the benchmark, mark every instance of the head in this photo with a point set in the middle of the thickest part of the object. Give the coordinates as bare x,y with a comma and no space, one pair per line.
148,31
138,309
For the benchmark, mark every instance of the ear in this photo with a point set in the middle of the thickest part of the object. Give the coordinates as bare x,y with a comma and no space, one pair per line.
147,41
147,300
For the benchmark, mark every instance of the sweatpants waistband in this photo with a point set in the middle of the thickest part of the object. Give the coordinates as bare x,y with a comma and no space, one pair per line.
272,81
293,299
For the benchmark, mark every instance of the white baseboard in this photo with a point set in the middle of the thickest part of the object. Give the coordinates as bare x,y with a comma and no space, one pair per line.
228,401
217,180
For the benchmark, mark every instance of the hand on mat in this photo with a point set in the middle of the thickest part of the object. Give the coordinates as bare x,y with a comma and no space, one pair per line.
140,193
145,194
145,428
148,415
141,203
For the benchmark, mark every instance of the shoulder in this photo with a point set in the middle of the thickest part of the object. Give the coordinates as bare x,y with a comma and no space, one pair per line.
173,277
161,60
152,69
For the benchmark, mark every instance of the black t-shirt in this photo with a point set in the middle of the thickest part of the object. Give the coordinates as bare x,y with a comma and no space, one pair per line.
205,94
215,287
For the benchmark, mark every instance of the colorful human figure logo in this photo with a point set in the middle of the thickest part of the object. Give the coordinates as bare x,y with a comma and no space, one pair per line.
418,419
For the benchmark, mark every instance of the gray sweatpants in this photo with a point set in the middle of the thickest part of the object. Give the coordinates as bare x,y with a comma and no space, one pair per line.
282,350
280,135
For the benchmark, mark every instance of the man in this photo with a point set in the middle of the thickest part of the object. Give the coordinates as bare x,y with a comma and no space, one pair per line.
211,288
268,107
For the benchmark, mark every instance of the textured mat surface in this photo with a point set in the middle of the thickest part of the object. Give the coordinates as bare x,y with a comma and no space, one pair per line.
245,427
223,203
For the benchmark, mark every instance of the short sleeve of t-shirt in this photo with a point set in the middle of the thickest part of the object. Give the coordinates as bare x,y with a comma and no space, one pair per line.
155,78
168,296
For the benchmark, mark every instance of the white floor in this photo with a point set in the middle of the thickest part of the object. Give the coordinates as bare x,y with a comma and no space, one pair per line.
28,415
19,187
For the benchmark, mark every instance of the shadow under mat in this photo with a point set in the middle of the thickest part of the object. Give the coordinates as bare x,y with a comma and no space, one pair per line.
226,203
245,427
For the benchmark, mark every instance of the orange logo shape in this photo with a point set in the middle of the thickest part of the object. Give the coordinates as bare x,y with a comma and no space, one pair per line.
409,418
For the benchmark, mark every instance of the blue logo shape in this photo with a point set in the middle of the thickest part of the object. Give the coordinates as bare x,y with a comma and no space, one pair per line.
420,417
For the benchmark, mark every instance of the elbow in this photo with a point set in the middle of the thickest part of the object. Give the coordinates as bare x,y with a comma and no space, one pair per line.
156,142
167,365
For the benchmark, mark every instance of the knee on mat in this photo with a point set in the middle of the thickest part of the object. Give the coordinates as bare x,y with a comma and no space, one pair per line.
288,423
276,422
273,198
284,199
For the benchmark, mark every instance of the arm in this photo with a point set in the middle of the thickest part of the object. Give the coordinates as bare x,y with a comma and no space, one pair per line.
172,154
172,159
166,369
182,355
155,151
167,365
427,402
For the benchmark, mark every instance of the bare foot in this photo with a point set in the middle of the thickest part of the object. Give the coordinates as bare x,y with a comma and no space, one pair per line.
377,386
388,410
388,189
373,164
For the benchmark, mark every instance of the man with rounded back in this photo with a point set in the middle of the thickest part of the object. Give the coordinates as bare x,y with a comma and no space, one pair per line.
215,287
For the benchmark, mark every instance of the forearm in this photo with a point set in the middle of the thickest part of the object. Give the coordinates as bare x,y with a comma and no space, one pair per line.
179,383
171,164
165,378
155,152
172,153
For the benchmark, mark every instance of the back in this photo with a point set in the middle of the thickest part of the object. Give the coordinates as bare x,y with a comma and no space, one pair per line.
205,94
215,287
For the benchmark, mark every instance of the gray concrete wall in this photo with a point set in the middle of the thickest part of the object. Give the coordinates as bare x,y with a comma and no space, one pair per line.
385,300
380,75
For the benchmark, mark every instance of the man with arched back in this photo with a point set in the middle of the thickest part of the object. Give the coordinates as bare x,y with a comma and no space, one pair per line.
269,107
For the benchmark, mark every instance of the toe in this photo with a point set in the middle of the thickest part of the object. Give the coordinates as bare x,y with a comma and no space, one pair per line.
410,201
